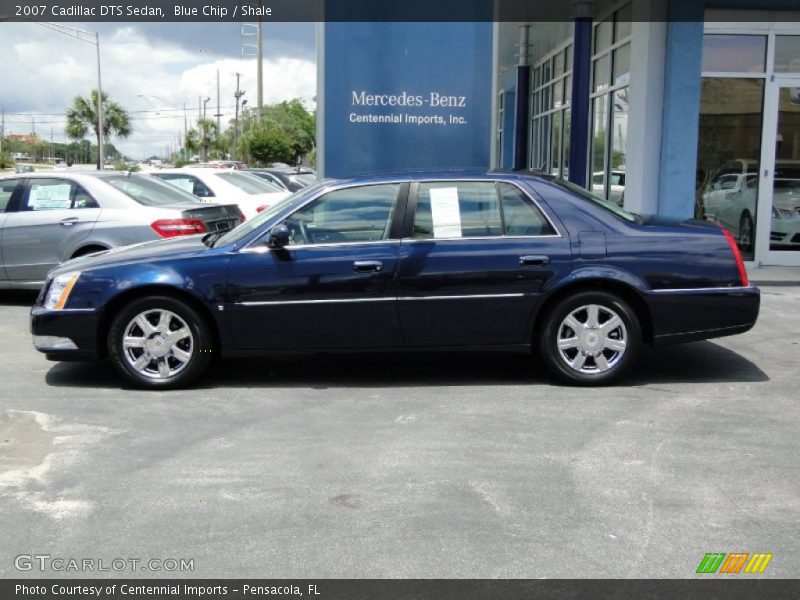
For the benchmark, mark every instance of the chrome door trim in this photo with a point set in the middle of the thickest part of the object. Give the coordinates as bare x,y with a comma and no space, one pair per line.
383,299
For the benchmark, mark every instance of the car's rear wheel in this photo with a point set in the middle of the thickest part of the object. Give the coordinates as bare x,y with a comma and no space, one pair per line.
160,342
746,232
590,338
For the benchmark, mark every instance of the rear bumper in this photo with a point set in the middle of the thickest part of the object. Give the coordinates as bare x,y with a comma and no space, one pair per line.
689,315
65,334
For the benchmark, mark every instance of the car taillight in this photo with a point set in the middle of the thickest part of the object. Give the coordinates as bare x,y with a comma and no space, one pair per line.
262,208
175,227
242,218
737,255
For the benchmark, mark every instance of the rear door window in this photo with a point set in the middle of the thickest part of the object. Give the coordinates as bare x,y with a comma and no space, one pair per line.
451,209
55,194
473,209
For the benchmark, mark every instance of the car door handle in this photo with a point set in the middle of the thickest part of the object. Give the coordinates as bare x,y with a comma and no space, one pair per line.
69,221
367,266
534,260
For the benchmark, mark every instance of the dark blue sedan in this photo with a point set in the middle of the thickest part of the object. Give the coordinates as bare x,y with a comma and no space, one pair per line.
446,261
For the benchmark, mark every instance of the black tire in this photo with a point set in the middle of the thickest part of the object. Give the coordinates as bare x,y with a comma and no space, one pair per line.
199,347
746,226
616,361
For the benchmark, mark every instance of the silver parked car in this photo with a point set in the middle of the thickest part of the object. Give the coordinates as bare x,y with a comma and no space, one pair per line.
49,217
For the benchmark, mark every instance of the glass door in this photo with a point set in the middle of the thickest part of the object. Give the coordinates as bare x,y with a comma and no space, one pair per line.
778,222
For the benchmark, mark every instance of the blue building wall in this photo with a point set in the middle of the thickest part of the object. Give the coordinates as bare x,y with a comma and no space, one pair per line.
440,73
681,112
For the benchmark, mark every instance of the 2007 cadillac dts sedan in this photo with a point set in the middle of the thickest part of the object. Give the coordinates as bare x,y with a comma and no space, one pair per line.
497,260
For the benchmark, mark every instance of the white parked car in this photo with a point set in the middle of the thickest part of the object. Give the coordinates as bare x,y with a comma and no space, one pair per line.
730,179
737,213
252,194
616,192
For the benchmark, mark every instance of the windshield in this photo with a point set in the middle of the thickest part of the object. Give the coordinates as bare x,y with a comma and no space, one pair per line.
248,227
610,206
249,183
149,191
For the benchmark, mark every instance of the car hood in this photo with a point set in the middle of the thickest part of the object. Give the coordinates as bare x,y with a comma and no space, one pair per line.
148,251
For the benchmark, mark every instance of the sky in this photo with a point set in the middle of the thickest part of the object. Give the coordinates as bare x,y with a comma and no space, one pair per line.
151,69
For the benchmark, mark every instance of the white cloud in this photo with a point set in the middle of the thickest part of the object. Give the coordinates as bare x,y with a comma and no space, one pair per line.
48,69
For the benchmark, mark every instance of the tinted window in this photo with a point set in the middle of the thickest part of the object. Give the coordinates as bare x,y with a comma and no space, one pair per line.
457,209
187,183
82,199
520,215
6,189
149,191
609,206
360,214
249,183
304,178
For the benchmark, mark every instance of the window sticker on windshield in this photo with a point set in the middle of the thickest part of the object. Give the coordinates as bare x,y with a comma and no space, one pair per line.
49,197
445,212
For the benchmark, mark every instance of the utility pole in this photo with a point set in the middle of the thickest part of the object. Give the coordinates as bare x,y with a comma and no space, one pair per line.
204,106
219,113
260,68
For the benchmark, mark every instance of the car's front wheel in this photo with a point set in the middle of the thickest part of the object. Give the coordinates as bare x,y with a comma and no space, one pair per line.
590,338
160,342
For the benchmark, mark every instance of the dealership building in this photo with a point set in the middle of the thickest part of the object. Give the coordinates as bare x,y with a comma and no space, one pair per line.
682,108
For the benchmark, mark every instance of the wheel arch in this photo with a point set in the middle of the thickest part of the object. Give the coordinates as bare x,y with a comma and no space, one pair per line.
110,310
87,248
625,290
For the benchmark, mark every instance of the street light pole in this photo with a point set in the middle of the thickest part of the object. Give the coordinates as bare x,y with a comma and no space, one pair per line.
80,34
100,121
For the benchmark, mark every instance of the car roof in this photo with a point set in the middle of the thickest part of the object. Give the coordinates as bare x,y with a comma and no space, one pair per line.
448,175
72,172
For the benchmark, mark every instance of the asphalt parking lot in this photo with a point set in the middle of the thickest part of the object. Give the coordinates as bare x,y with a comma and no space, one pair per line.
426,466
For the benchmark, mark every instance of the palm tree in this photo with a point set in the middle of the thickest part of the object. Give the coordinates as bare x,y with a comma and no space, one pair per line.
202,137
82,117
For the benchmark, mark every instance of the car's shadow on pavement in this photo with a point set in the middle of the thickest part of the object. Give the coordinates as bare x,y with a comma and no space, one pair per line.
700,362
24,298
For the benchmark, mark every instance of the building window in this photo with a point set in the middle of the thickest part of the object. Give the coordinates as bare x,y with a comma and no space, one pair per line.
610,98
730,133
551,91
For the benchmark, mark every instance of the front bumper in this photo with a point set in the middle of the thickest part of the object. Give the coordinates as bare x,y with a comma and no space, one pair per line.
699,314
65,334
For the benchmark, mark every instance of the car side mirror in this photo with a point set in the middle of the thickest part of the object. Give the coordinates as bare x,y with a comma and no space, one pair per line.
278,236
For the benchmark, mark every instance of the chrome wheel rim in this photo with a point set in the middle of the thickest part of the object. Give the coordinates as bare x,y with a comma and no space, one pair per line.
158,344
745,233
592,339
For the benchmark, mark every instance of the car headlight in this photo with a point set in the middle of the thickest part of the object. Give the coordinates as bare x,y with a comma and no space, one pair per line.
60,289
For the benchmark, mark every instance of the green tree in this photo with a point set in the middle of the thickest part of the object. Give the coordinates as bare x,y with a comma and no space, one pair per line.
82,117
6,161
267,143
300,125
